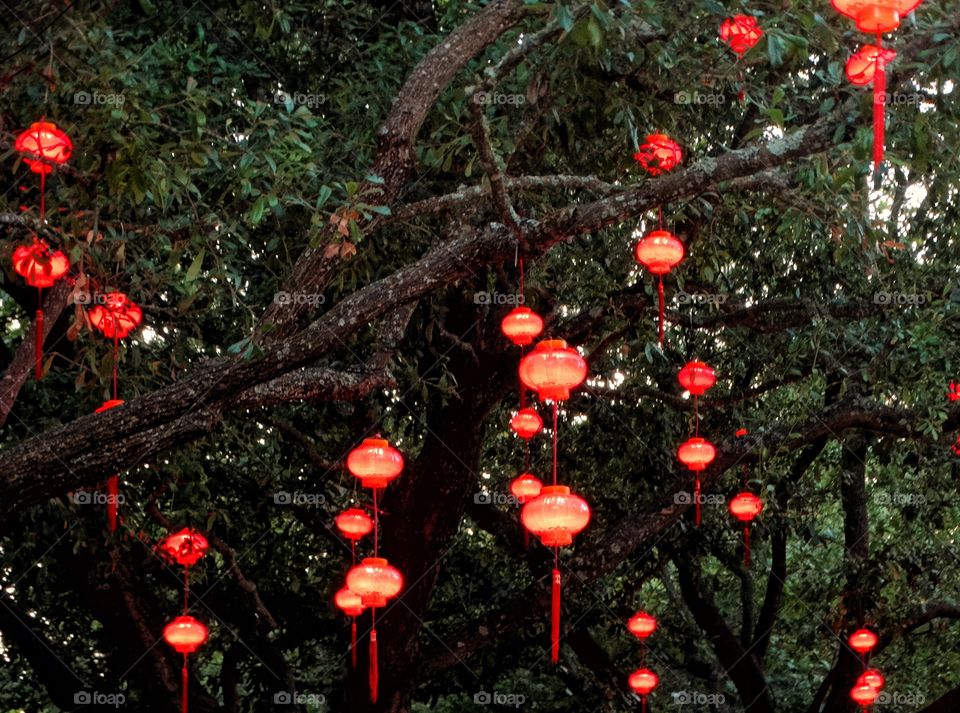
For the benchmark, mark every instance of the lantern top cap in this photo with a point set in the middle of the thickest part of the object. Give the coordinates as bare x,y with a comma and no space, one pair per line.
661,233
555,490
375,561
376,442
657,137
521,309
549,344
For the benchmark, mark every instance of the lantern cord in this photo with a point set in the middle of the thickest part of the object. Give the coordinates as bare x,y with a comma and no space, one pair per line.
113,494
520,262
376,525
696,416
660,217
643,704
555,442
353,552
879,106
116,358
38,343
555,612
43,188
186,678
746,546
186,589
662,311
374,677
353,641
696,501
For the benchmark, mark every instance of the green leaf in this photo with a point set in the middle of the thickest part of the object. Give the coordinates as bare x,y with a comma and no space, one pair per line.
194,270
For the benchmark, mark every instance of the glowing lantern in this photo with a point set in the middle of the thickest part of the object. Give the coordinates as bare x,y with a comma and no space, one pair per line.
521,326
862,65
185,547
659,154
526,423
696,377
44,146
745,507
185,634
552,369
953,391
375,462
741,32
864,695
876,16
873,678
643,681
117,317
659,252
525,487
642,625
40,268
350,604
375,581
862,641
696,453
354,524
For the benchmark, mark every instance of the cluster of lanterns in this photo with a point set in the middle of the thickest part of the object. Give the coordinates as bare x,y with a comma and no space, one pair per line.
373,582
696,453
869,683
642,681
185,634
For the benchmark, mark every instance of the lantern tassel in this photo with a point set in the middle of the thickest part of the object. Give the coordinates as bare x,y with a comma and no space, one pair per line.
661,311
643,704
374,671
353,641
555,619
113,491
696,502
38,346
879,109
184,685
746,546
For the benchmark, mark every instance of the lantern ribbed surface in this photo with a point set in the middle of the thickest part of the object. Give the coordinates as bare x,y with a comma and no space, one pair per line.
349,602
525,486
864,695
116,317
696,453
696,377
876,16
745,506
38,264
44,145
642,625
354,524
521,326
185,547
556,515
659,154
741,32
552,369
862,640
643,681
659,252
375,462
375,581
862,65
526,423
873,678
185,634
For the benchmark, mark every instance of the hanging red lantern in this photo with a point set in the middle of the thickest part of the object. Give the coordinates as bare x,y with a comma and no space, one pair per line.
876,16
185,547
375,580
556,515
642,625
44,146
660,251
862,65
351,604
643,681
354,524
745,507
40,267
864,695
117,317
185,634
953,391
526,423
525,487
696,453
873,678
659,154
521,326
741,32
696,377
375,462
862,640
552,369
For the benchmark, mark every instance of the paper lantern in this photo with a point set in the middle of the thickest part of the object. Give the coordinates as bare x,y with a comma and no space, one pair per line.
349,602
862,640
862,65
659,154
38,264
873,678
696,377
185,547
185,634
555,515
375,581
521,326
659,252
741,32
953,391
526,423
642,625
354,524
117,317
643,681
745,507
375,462
552,369
864,695
44,146
696,453
876,16
525,487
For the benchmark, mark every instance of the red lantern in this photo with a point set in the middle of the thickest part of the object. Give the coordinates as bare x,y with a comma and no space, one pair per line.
525,487
552,369
696,453
696,377
642,625
745,507
862,65
876,16
521,326
864,695
375,462
741,32
526,423
873,678
185,634
185,547
659,154
741,432
43,146
375,581
953,391
862,640
354,524
40,268
350,604
556,515
117,317
643,681
659,252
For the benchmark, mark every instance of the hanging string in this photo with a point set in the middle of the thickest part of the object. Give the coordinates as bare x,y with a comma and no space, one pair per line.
376,525
746,545
186,678
879,106
186,589
374,675
554,442
116,358
662,311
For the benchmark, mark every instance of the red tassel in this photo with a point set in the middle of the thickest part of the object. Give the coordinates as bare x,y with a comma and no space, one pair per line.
555,619
643,704
353,641
879,112
696,502
113,492
746,546
38,346
660,294
184,686
374,671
